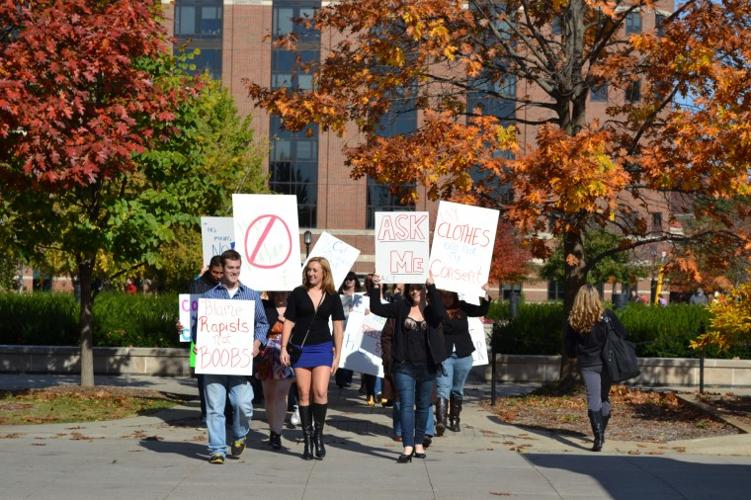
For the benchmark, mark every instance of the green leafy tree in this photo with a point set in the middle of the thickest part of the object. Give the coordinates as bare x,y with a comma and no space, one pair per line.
90,111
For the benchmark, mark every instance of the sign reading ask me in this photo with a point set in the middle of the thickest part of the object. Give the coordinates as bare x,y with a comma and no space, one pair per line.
402,248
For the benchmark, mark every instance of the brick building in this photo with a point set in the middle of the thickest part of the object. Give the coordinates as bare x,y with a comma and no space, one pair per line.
234,37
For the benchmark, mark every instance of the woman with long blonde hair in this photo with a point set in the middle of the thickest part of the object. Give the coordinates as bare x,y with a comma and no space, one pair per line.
306,326
586,332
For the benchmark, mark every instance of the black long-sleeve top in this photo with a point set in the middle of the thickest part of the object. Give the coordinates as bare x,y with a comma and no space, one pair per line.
587,346
456,330
435,347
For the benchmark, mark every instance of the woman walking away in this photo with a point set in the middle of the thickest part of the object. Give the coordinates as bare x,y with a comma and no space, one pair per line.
585,338
456,367
306,328
417,352
275,376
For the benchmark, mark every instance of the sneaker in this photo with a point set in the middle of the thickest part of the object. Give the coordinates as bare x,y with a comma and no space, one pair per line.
371,401
295,418
238,447
216,458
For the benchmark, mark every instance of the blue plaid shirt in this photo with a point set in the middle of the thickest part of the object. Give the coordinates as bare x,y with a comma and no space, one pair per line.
261,324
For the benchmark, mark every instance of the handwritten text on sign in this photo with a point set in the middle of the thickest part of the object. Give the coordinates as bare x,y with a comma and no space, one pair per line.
268,240
361,347
477,332
188,312
401,246
462,250
225,337
341,255
217,235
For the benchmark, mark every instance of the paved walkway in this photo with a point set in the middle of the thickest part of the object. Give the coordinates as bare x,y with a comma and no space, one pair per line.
164,456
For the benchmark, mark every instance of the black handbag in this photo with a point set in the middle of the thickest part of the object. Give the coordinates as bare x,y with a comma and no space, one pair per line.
619,355
294,351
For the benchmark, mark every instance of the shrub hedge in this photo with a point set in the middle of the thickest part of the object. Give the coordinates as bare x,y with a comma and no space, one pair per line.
119,319
656,331
149,321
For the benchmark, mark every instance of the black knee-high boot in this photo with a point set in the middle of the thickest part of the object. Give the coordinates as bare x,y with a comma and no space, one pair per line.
307,432
441,416
319,417
595,418
455,413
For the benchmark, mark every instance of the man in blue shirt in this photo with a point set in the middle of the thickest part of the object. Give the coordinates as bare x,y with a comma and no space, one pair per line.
240,390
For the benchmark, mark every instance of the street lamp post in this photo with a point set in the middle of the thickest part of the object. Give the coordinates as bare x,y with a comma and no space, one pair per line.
653,281
307,238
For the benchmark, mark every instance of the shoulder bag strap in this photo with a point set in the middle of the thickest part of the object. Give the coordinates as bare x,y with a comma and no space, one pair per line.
315,314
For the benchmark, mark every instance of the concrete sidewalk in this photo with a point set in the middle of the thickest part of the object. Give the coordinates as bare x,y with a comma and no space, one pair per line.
164,456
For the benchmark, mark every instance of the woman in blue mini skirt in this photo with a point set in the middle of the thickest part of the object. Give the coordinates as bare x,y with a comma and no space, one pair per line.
306,326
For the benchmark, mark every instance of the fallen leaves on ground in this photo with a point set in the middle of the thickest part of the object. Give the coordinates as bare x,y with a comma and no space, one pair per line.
78,404
647,416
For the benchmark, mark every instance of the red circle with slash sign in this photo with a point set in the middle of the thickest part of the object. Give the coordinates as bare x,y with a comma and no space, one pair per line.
268,222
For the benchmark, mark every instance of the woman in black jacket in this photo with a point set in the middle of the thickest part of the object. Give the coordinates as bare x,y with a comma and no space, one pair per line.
417,351
459,347
586,332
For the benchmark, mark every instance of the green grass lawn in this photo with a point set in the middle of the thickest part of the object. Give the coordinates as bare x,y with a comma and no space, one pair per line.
77,404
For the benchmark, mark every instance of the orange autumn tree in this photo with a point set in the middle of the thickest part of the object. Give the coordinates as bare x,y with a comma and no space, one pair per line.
480,71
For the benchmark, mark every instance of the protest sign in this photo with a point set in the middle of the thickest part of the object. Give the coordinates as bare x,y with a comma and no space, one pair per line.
268,239
225,337
402,248
462,251
187,313
217,235
361,347
341,256
479,340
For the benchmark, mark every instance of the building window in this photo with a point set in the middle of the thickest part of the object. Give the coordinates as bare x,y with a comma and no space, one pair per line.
400,120
633,23
293,162
656,222
198,25
660,24
556,26
600,93
633,92
556,291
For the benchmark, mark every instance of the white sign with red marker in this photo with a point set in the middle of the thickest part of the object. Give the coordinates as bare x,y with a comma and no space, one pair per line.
188,311
402,248
268,239
462,252
224,345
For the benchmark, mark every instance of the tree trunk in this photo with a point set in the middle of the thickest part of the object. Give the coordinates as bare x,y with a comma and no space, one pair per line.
574,278
85,272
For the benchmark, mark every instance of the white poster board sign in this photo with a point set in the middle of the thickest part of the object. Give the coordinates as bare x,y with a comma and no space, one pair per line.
224,345
402,247
479,340
361,347
268,239
217,235
462,252
187,314
341,256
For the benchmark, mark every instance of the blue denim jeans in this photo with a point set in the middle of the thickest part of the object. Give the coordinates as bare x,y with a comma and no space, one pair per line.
451,381
414,384
397,424
241,399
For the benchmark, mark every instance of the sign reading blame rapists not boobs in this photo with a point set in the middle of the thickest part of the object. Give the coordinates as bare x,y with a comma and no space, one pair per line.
267,237
224,344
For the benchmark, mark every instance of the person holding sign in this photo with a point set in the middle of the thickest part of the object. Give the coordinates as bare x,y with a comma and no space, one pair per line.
417,351
456,367
306,329
240,391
